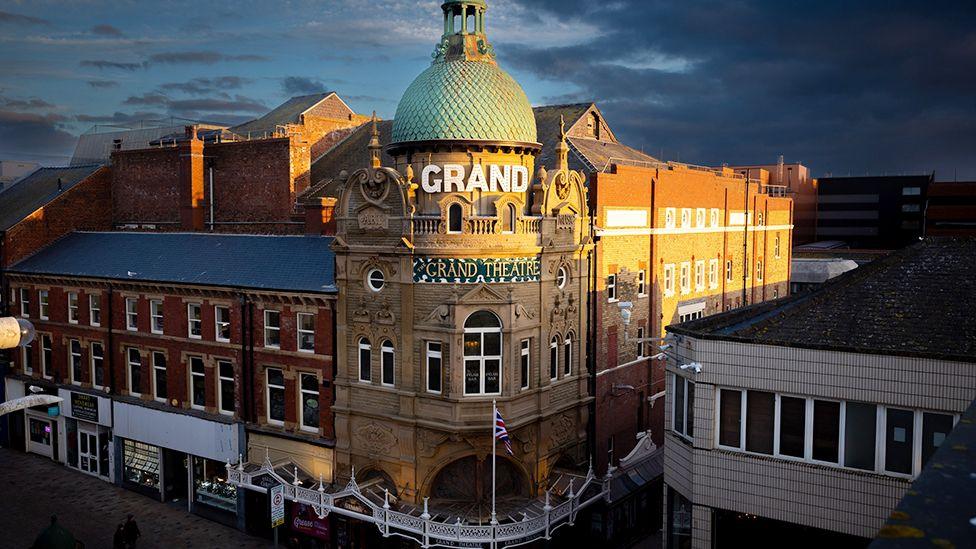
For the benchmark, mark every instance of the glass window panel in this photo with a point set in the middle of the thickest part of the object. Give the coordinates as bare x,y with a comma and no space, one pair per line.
730,419
935,429
899,436
472,344
690,419
760,407
860,435
472,377
792,426
826,430
493,344
679,404
492,376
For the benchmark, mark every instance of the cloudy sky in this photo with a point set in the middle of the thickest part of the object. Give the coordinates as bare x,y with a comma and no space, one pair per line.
843,86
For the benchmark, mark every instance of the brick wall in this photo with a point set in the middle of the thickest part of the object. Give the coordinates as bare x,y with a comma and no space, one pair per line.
145,187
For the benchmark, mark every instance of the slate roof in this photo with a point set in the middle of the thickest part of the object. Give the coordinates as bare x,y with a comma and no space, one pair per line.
37,190
914,302
288,112
284,263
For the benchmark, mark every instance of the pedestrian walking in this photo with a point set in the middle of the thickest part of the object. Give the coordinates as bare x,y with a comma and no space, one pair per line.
131,532
118,540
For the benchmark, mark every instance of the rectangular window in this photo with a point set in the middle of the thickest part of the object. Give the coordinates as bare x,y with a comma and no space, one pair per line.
24,302
700,275
134,360
776,246
568,356
73,307
95,310
911,208
74,348
365,360
553,359
611,287
935,429
156,316
222,323
225,373
899,440
388,358
276,396
434,364
730,418
686,277
43,305
728,270
272,329
194,320
198,383
760,407
47,361
310,402
640,342
700,218
306,332
685,218
826,430
759,270
684,407
911,191
669,279
669,218
27,358
713,273
159,376
714,216
97,353
641,283
860,435
131,314
524,364
792,426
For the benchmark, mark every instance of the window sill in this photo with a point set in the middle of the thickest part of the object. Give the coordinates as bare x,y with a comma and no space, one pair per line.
131,329
158,399
226,413
313,430
96,324
276,423
612,300
69,322
274,347
156,332
197,407
307,351
44,318
221,340
191,336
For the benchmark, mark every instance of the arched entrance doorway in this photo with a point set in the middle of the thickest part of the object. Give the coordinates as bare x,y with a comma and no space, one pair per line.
463,487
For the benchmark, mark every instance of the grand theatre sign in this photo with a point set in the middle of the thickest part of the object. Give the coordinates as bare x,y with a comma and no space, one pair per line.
493,178
450,270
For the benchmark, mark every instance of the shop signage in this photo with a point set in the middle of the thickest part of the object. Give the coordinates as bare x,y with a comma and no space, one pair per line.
492,178
304,519
448,270
277,506
84,407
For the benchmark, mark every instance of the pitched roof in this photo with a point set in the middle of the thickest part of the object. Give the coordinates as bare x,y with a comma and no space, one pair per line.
288,112
599,154
285,263
37,190
351,153
914,302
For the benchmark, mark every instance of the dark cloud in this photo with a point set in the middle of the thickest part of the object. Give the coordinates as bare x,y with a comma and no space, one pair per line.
200,57
18,19
25,104
102,64
36,137
845,87
150,98
102,84
205,86
119,117
106,30
301,85
224,103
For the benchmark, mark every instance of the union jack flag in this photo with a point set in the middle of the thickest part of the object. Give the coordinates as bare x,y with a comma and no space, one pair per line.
501,433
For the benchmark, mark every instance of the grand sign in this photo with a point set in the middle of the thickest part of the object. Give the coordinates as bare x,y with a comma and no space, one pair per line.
493,178
449,270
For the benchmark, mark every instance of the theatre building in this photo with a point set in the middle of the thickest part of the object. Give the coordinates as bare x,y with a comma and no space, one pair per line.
168,350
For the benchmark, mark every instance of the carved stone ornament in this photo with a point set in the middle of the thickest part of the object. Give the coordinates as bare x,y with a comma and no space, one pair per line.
373,219
440,315
562,430
562,186
521,311
376,438
385,314
361,313
428,441
480,445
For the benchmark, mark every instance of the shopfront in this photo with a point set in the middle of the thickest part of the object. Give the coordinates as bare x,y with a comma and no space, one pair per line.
88,432
41,424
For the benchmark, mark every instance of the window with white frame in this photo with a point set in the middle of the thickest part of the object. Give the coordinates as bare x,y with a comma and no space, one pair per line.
642,283
700,275
388,360
554,358
685,218
156,316
194,320
27,358
669,279
134,363
728,270
669,218
47,357
434,367
776,246
568,355
24,302
225,390
74,350
272,329
611,287
131,314
714,217
198,383
309,389
640,342
306,332
691,311
94,310
44,309
365,360
524,364
482,354
911,208
713,273
759,270
561,277
275,396
160,390
222,323
686,277
760,221
700,218
96,355
683,407
73,315
911,191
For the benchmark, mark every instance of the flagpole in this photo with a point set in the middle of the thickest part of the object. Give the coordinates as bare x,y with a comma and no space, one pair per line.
494,427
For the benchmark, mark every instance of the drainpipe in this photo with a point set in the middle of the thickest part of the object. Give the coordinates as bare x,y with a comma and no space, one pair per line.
250,354
211,191
111,350
246,403
745,238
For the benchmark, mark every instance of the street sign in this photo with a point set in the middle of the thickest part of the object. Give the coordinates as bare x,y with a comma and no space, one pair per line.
277,506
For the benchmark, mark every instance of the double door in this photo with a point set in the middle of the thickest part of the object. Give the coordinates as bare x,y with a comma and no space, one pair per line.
88,450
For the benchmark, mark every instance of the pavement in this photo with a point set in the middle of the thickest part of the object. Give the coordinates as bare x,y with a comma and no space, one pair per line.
32,488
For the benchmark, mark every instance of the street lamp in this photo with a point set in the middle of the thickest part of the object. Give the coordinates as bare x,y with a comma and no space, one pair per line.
15,332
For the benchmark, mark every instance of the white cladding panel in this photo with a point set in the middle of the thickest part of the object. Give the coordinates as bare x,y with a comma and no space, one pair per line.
193,435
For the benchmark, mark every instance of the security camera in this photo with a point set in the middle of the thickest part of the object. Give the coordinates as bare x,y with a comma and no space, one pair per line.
694,367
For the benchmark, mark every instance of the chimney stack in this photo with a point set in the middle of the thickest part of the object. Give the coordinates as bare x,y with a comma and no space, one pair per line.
191,181
320,216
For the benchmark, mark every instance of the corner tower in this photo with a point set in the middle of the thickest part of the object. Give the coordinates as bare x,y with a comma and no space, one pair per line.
462,276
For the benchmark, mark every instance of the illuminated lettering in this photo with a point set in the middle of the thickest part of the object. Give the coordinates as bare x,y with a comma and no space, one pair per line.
477,179
500,178
430,185
453,177
520,179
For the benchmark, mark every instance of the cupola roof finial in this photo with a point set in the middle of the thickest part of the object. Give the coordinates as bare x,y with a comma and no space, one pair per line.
375,149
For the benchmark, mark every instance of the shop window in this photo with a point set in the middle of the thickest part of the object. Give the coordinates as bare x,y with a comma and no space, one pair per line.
434,365
899,440
365,360
306,332
198,383
141,464
276,396
210,485
44,309
612,287
24,302
74,350
935,429
524,363
73,308
131,314
194,320
554,358
47,360
95,310
310,402
159,376
482,354
760,407
454,221
222,323
97,353
730,418
225,392
134,360
272,329
792,426
388,359
860,435
683,411
156,316
568,355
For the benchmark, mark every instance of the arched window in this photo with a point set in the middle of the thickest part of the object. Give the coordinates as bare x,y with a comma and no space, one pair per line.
388,362
482,354
508,218
568,354
365,359
454,214
554,357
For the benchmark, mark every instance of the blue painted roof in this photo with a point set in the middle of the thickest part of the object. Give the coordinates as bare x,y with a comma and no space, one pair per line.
287,263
